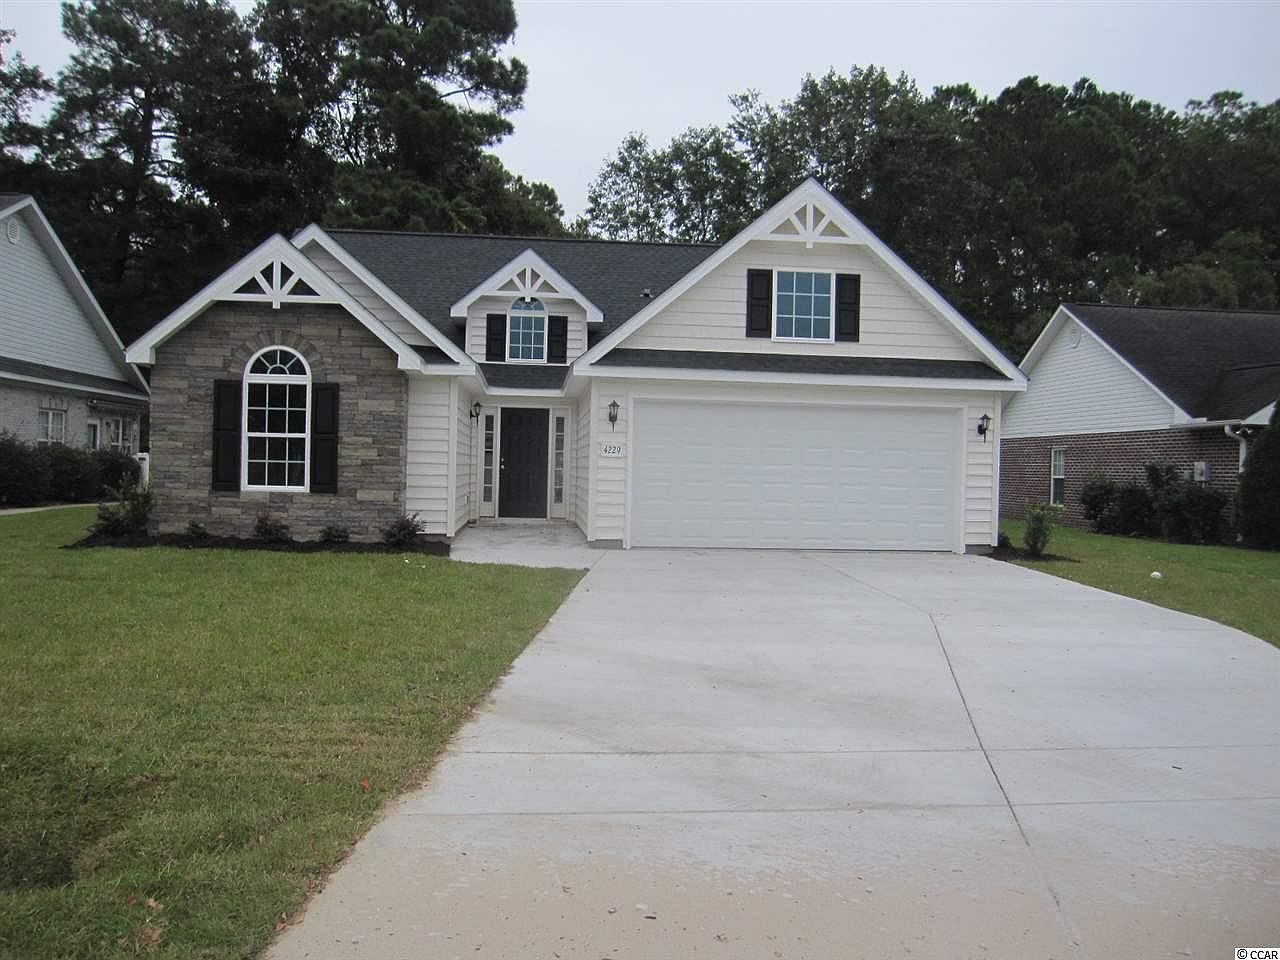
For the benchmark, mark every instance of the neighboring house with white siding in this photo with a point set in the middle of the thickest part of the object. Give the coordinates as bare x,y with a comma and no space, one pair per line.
63,373
1114,388
798,386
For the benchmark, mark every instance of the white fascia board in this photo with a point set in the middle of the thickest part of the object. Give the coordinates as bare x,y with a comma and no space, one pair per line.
16,206
72,387
811,191
1060,316
79,289
1179,415
316,234
143,350
805,379
522,392
489,287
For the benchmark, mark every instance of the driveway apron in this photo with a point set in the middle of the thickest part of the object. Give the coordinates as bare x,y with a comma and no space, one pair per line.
835,755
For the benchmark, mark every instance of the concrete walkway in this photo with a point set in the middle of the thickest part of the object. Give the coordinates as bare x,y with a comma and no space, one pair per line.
541,543
14,511
782,755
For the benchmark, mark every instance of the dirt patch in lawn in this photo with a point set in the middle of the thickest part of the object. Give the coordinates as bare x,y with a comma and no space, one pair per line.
1012,554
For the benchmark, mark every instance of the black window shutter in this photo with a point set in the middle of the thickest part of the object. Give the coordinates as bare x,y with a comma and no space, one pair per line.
495,338
226,434
759,303
557,339
324,438
848,306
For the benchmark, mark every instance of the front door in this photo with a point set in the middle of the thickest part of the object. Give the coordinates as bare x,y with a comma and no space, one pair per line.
522,467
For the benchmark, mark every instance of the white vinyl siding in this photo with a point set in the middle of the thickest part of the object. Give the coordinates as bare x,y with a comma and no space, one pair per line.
464,461
477,325
895,322
40,321
581,455
362,294
428,480
608,483
1083,389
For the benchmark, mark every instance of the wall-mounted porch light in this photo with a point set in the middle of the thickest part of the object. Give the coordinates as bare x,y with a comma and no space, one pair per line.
613,414
475,410
984,424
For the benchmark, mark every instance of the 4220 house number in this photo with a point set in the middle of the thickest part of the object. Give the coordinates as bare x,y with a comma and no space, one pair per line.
611,448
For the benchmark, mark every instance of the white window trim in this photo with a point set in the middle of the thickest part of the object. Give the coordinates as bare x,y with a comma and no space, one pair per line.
245,380
546,319
95,425
1058,476
47,415
773,310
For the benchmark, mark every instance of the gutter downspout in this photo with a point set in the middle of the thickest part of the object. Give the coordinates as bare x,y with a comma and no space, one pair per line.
1230,430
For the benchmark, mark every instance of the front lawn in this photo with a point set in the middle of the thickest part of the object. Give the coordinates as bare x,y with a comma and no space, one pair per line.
191,739
1240,588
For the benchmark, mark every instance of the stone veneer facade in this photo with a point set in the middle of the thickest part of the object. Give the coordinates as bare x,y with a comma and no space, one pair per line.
1024,464
372,421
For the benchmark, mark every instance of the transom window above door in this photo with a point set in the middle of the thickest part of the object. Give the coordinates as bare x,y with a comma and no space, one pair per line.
527,331
802,306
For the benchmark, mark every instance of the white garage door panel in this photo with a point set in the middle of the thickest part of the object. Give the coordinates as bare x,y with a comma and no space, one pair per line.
754,475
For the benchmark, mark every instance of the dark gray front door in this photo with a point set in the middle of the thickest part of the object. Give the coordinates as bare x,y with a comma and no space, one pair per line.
522,488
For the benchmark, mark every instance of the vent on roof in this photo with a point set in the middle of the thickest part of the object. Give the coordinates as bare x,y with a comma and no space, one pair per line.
12,229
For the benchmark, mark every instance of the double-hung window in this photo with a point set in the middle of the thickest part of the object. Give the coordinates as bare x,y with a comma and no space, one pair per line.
277,420
1058,475
803,306
52,426
527,331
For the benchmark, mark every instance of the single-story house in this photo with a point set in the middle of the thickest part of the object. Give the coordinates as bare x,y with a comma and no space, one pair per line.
797,386
63,373
1113,388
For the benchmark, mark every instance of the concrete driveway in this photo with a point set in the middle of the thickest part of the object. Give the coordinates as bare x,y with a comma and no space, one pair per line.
784,755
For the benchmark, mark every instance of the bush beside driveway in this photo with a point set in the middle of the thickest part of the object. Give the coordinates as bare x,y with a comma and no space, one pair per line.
192,739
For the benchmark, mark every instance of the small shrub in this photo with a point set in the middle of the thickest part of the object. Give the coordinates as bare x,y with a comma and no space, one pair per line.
1040,521
1097,497
114,468
1189,513
128,515
1131,512
335,533
1003,542
1258,497
25,475
1161,476
402,532
269,529
74,475
197,530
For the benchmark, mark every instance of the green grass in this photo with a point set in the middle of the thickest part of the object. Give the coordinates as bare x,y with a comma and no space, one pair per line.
1240,588
191,740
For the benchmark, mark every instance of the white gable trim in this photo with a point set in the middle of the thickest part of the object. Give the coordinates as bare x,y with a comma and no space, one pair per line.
812,379
79,290
316,234
266,260
1057,321
529,276
824,217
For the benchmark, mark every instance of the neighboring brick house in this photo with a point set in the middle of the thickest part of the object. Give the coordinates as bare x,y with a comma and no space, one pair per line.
63,374
1113,388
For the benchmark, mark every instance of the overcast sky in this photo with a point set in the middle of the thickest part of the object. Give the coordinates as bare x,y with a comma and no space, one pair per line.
600,69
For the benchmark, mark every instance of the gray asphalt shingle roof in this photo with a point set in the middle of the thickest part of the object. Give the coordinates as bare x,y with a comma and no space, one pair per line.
431,271
792,363
1216,364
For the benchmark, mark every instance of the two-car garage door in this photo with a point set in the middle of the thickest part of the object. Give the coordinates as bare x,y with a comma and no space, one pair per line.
795,475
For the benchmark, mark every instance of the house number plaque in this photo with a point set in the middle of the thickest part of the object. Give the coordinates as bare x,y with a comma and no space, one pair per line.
611,448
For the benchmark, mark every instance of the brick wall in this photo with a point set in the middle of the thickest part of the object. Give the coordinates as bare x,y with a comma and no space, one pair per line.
1024,463
372,419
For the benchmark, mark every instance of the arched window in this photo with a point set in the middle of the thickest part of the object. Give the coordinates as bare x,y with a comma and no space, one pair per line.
277,420
527,331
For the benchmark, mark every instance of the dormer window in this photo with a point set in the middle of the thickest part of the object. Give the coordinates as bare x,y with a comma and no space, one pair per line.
527,331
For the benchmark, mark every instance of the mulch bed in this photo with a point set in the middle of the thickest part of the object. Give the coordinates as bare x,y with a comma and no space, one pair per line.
185,541
1017,553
